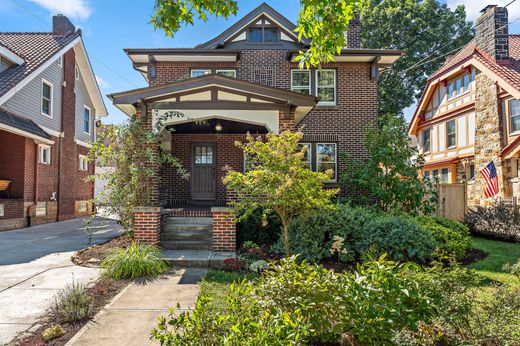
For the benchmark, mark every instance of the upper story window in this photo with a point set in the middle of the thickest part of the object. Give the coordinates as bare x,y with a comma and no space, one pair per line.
326,86
262,35
227,73
459,86
44,154
514,114
301,81
427,140
451,134
46,98
86,120
201,72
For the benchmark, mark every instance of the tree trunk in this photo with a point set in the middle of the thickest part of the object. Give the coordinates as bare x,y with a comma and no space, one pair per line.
286,237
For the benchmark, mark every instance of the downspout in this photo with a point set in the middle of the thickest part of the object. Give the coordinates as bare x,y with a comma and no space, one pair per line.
31,210
58,178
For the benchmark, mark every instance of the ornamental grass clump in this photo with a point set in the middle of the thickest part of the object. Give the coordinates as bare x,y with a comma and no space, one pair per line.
138,260
73,304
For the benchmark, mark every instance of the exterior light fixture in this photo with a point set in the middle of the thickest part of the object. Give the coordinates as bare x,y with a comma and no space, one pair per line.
218,127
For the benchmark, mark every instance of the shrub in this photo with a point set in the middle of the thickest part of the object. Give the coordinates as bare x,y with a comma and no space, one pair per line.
399,237
72,304
251,252
259,228
232,264
452,237
136,261
258,266
513,269
53,332
500,221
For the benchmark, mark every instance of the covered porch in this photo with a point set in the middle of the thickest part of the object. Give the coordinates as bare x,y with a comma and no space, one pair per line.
210,114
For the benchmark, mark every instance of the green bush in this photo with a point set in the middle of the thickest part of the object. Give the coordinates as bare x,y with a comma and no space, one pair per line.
137,260
53,332
72,304
452,237
401,238
259,228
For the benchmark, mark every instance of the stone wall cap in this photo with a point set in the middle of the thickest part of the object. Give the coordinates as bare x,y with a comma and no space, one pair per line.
221,209
147,209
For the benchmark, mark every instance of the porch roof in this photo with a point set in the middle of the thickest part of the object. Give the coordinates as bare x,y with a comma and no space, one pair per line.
13,123
214,91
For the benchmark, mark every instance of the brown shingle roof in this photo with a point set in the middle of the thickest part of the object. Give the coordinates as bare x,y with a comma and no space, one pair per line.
23,124
35,48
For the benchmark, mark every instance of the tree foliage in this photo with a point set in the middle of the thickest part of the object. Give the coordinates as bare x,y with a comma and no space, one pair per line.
323,22
389,178
425,30
278,180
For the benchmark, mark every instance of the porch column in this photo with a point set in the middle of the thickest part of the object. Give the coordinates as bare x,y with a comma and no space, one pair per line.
147,217
224,229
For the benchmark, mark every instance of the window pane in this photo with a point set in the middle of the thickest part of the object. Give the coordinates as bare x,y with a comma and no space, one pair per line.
45,107
197,73
323,167
458,85
426,141
301,79
326,94
466,82
86,121
444,175
230,73
435,174
326,152
325,78
450,90
471,171
307,155
271,35
426,175
255,35
450,130
46,91
514,109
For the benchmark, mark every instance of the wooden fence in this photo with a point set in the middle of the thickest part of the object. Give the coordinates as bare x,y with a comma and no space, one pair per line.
452,202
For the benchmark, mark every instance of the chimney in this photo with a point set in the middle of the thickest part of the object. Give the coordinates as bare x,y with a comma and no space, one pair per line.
492,33
61,25
353,34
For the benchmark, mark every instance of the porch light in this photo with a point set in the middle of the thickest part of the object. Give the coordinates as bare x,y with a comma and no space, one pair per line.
218,127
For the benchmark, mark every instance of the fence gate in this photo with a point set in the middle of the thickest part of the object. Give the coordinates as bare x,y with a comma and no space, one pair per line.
452,201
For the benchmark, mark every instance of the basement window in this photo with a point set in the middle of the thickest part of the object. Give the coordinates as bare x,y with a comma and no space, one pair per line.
41,209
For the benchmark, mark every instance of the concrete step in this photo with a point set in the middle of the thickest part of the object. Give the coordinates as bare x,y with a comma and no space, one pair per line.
186,245
171,236
196,258
175,228
189,221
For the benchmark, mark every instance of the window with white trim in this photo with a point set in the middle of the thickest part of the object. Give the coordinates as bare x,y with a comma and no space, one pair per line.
307,155
227,73
326,87
514,115
44,154
426,140
197,73
83,163
86,120
46,98
451,134
301,81
76,72
326,158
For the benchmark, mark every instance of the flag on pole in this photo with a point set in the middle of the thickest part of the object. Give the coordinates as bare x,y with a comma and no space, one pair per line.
490,174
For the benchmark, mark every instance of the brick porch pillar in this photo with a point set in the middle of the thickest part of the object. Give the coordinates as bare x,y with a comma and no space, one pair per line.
224,229
147,224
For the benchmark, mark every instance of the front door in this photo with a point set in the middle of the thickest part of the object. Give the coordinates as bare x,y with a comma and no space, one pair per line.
203,171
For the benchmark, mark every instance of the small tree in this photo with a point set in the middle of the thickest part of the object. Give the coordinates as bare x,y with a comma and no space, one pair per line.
278,180
389,178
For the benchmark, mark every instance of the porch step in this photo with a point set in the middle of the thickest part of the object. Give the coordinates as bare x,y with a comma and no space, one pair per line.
197,258
187,233
186,244
189,221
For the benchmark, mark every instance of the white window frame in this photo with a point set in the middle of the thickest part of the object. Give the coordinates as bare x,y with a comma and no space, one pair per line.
429,141
326,103
448,134
296,88
206,71
41,149
511,117
89,119
76,72
44,81
227,70
83,163
60,61
335,160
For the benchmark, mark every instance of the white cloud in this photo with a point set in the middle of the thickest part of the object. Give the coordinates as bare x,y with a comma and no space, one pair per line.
473,7
78,9
102,83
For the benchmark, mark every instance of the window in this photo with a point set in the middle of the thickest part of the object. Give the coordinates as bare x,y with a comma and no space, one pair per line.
435,174
459,86
249,163
203,155
471,171
263,35
83,163
326,158
82,207
76,72
46,98
2,213
227,73
451,137
326,86
86,120
307,156
514,114
426,141
444,175
41,208
301,81
426,175
197,73
270,35
60,61
44,154
255,35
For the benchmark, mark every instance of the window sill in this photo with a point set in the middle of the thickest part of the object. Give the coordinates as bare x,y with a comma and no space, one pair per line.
46,115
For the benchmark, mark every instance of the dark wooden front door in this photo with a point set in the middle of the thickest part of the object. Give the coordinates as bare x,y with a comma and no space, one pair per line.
203,171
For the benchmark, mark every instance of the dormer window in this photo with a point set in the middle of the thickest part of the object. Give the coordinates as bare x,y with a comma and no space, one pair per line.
263,32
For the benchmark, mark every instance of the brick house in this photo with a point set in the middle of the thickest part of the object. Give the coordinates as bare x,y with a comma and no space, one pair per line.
469,113
245,80
49,100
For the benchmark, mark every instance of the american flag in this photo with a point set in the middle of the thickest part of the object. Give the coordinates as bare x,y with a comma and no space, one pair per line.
490,174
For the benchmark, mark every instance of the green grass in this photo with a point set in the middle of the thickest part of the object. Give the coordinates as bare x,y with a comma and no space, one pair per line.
215,284
499,253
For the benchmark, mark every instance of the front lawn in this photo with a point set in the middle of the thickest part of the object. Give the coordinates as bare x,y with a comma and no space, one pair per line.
499,253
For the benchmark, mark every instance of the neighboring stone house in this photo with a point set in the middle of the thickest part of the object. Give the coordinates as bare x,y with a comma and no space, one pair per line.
469,113
49,100
245,80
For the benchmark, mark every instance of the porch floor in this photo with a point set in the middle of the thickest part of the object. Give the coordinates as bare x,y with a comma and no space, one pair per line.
196,258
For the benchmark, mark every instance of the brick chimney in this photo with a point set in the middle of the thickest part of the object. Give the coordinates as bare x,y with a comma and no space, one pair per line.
61,25
492,33
353,34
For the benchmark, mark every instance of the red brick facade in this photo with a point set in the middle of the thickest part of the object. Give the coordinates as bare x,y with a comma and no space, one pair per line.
147,225
224,230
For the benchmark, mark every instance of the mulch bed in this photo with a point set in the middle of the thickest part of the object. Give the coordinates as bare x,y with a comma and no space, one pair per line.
473,255
92,256
101,292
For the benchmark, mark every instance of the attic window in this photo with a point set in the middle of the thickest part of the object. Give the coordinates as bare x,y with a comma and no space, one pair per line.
263,35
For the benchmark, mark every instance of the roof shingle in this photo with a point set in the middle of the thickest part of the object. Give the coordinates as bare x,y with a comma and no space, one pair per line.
23,124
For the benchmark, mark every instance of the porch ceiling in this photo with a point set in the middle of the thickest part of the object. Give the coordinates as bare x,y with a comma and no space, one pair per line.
209,127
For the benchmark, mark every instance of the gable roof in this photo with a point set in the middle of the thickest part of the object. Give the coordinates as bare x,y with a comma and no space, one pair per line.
506,75
262,9
38,50
22,126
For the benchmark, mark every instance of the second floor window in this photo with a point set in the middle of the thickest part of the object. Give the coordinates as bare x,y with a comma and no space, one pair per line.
426,141
47,98
263,35
86,120
301,81
514,114
459,86
451,135
197,73
326,86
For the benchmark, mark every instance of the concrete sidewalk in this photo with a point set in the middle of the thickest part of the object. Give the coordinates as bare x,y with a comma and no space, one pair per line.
129,318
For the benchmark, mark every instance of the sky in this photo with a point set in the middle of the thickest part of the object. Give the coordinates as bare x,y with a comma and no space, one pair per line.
109,26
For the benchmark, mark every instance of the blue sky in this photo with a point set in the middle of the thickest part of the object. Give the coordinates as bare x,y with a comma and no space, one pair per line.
110,25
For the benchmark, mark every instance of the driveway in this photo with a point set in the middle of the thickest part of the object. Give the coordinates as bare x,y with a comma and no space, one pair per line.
35,264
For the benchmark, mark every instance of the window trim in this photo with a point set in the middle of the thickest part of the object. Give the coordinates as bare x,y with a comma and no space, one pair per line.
511,132
335,180
83,163
41,148
316,87
199,69
448,134
76,72
301,87
89,119
51,96
429,129
226,70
